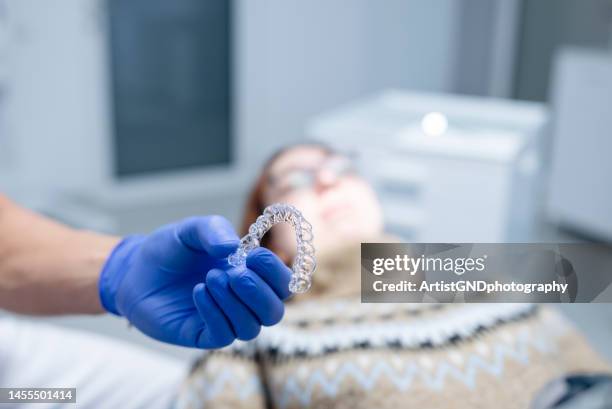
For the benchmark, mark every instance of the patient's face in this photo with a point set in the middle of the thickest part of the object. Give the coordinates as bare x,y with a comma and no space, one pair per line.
341,206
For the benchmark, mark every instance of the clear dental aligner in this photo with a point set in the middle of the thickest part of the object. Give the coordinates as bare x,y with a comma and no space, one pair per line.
304,263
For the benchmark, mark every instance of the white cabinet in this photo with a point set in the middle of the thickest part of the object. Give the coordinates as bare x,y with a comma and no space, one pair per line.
581,173
475,181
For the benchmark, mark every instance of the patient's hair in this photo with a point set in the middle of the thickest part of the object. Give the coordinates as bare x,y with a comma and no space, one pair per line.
255,201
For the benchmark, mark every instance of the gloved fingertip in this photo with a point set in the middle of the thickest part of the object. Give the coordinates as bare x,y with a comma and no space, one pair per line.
216,279
218,236
198,289
275,315
243,283
216,331
224,248
258,252
198,294
212,234
249,335
258,296
271,269
234,272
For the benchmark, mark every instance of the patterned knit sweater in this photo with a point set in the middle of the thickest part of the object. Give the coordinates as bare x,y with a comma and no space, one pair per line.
332,351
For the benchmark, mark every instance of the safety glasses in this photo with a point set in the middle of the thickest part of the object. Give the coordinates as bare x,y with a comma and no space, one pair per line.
302,178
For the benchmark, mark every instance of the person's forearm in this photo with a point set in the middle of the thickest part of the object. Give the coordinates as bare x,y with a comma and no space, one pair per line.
48,268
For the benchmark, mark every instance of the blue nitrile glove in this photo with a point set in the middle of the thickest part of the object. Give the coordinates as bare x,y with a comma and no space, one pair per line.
176,286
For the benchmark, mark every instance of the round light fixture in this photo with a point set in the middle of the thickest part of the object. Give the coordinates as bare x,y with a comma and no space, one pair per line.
434,124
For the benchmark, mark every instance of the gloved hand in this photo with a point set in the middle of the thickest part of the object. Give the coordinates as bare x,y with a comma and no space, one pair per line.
176,286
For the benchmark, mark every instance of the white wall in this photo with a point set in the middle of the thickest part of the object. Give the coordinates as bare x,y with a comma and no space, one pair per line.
304,57
55,106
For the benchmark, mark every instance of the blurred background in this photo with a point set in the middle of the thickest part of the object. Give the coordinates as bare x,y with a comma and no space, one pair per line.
476,120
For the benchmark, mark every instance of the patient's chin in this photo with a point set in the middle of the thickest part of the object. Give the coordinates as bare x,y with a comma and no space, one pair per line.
346,233
353,224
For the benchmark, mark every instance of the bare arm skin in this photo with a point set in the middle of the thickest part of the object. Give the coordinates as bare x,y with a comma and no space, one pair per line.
47,268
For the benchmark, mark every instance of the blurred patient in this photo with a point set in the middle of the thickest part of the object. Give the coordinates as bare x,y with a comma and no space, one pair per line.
332,351
341,206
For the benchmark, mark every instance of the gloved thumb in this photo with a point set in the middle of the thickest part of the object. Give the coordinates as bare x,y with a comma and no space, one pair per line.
213,235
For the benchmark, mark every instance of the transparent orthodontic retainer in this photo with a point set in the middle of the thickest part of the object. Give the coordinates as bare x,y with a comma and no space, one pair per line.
304,263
